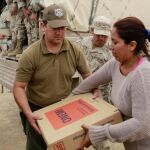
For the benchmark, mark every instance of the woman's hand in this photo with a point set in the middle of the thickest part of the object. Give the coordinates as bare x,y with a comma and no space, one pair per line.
86,141
97,93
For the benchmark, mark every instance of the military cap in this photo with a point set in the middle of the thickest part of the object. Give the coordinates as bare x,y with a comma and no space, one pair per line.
101,25
56,16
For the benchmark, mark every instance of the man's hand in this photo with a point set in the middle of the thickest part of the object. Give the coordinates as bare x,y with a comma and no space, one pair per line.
32,118
86,141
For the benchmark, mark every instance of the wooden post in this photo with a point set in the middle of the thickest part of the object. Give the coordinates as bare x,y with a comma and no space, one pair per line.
2,88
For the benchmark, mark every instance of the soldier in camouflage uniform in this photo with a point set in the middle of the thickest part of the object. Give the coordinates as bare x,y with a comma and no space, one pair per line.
96,49
36,12
28,26
13,14
31,22
5,33
20,28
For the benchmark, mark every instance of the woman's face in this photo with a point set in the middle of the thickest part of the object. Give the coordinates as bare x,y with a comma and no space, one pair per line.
120,50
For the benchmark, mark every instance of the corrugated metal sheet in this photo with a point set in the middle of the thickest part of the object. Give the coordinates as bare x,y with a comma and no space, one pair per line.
7,72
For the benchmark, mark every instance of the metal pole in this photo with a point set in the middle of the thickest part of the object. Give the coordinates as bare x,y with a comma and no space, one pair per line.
2,88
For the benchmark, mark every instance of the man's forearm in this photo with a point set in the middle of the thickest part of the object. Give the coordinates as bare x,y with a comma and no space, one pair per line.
21,99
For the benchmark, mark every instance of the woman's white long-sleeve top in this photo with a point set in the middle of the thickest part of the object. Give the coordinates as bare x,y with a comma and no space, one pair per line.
131,95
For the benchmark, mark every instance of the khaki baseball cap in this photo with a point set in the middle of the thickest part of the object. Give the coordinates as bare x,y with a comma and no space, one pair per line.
56,16
101,25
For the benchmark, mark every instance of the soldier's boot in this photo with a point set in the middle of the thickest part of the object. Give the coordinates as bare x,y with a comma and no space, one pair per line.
12,47
18,49
3,53
18,56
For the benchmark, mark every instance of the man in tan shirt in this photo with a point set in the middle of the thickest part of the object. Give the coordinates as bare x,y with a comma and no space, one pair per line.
45,70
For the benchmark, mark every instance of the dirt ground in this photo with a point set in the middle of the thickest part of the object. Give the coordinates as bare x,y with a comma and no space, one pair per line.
11,133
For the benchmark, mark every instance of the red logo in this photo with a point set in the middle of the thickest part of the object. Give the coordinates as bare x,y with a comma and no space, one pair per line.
70,113
59,146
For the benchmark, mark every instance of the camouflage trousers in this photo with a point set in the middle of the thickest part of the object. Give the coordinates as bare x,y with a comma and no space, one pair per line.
106,91
106,145
21,34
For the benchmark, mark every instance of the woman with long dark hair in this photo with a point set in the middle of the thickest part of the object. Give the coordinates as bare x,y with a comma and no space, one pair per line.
129,72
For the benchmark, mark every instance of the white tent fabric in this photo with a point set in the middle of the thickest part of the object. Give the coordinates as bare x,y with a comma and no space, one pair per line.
82,12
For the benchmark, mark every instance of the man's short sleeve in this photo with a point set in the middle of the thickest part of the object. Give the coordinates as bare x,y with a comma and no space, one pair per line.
25,69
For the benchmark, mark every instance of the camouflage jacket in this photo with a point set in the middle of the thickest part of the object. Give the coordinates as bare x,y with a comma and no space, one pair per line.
96,58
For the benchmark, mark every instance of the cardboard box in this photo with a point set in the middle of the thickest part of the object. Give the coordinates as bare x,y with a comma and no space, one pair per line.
61,123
